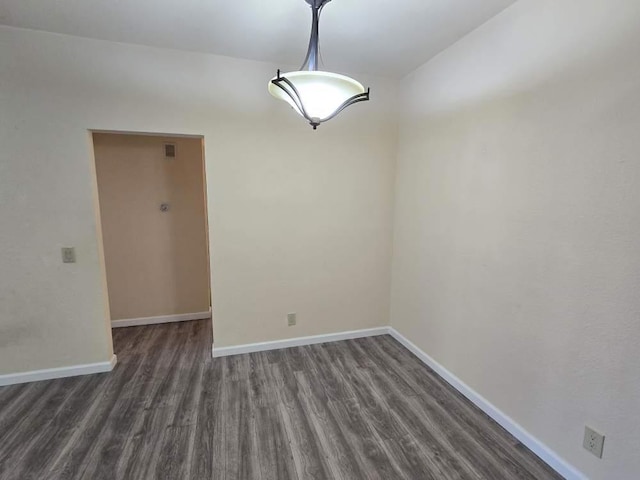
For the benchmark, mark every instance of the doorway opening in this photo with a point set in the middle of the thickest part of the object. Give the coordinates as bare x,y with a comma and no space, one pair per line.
153,216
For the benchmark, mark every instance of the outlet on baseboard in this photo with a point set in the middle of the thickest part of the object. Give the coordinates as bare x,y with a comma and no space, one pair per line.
291,319
593,441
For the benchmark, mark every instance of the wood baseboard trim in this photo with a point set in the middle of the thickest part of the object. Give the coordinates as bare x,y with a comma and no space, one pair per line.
61,372
297,342
181,317
536,446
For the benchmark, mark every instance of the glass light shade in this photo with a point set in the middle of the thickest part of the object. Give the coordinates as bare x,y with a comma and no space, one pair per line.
321,93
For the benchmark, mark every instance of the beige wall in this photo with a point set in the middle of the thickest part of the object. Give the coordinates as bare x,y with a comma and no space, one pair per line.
515,254
516,248
156,262
298,220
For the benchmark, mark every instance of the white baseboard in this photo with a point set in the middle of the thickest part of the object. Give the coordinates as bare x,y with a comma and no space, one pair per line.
540,449
297,342
181,317
61,372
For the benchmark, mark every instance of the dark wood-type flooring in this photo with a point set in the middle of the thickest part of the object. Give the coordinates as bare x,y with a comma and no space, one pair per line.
357,409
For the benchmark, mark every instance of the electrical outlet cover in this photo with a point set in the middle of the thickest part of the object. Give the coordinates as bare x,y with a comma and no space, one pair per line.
68,255
593,441
291,319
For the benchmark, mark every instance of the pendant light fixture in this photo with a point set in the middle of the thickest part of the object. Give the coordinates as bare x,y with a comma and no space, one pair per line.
316,95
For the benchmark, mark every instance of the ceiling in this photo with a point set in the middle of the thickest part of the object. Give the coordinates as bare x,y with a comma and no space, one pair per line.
382,37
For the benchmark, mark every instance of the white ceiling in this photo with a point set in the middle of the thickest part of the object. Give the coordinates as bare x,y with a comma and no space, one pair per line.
383,37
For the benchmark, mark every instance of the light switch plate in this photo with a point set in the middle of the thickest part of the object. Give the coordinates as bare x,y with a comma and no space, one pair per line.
68,255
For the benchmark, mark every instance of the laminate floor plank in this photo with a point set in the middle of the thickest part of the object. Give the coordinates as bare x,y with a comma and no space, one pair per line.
327,368
26,433
207,458
156,362
20,413
357,409
10,399
83,452
375,462
50,441
275,455
443,457
310,460
118,428
461,411
159,407
338,451
446,427
238,451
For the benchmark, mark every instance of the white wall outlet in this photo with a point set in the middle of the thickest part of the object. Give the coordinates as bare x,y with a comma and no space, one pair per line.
291,319
68,255
593,441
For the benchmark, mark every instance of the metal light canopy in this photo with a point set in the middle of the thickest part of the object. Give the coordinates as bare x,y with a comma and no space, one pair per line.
317,96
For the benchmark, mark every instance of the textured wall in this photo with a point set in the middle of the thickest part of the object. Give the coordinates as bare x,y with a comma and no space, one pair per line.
298,220
517,239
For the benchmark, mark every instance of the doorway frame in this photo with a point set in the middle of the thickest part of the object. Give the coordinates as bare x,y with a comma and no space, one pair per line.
99,234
